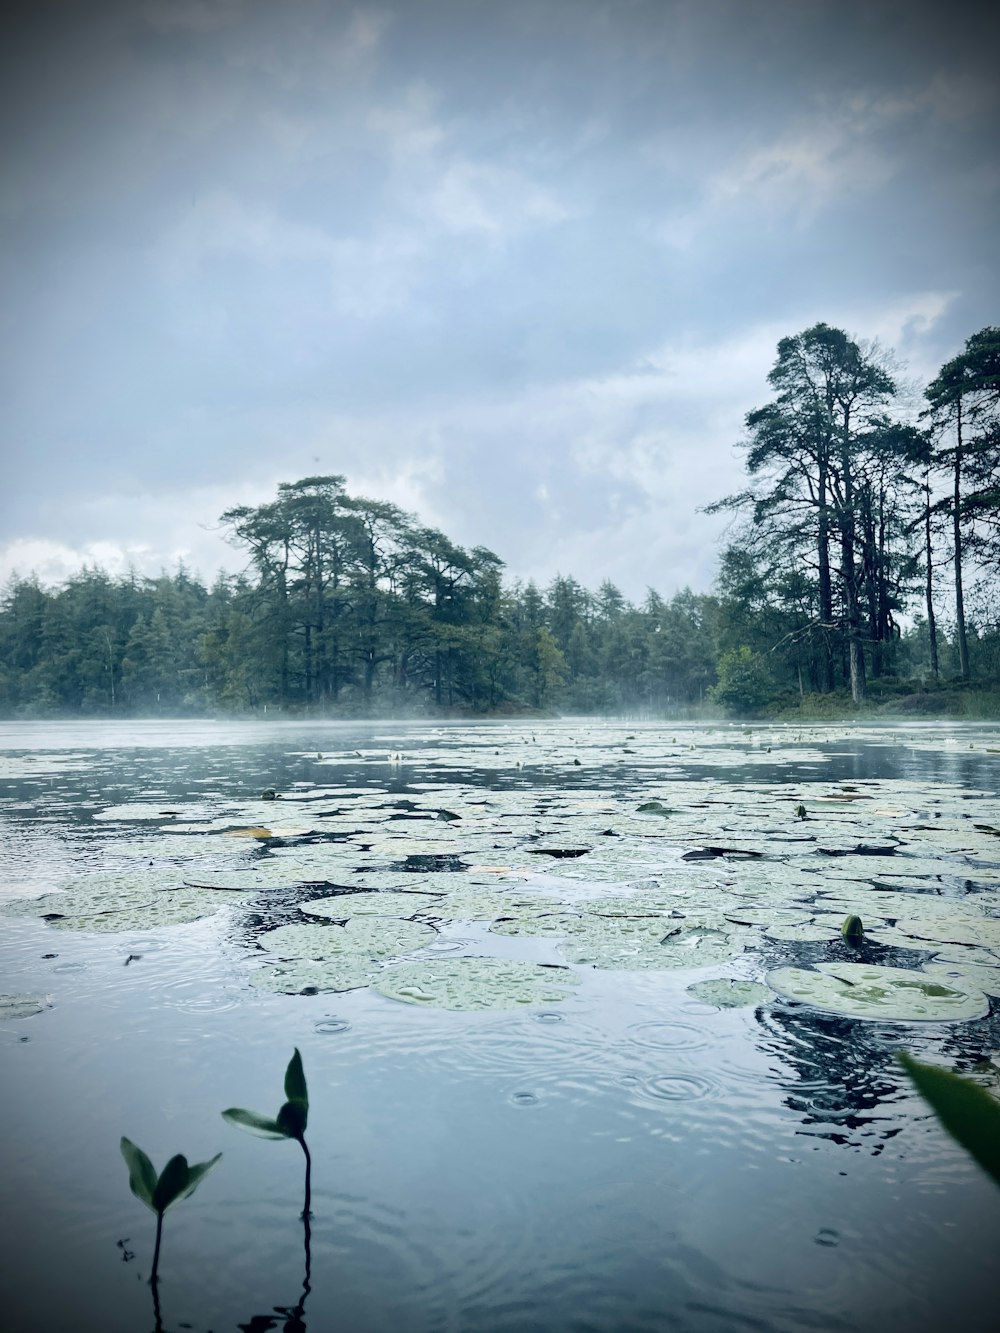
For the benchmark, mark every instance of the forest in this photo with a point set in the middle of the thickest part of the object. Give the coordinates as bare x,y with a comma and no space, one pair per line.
859,571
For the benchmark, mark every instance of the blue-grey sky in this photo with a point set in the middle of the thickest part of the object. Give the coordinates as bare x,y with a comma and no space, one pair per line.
519,267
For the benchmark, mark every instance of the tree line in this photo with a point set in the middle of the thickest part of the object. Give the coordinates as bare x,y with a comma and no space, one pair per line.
846,566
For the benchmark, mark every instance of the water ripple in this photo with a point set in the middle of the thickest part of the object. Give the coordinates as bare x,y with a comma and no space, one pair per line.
668,1036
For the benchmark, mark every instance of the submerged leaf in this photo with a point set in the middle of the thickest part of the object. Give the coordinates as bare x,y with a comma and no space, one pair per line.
967,1111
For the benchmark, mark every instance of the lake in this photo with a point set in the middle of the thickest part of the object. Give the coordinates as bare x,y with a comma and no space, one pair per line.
490,943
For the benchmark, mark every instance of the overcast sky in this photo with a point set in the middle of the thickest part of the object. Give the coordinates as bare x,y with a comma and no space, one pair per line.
518,266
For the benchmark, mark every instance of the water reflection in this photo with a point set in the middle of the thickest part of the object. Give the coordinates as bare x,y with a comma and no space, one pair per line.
289,1318
840,1076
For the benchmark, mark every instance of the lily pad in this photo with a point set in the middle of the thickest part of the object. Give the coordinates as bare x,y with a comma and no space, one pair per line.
373,937
986,979
345,905
167,908
726,993
476,983
303,974
112,892
959,929
889,994
22,1006
628,946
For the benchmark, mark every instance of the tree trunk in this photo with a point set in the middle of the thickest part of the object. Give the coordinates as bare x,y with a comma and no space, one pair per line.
931,622
825,582
963,643
856,652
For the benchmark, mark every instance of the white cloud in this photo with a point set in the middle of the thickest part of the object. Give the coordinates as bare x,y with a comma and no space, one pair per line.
53,562
497,201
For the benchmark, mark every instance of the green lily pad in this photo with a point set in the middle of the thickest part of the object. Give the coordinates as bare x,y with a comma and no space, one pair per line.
768,916
726,993
475,983
306,974
488,904
22,1006
632,946
362,938
889,994
814,932
386,903
267,874
114,891
986,979
167,908
961,928
535,924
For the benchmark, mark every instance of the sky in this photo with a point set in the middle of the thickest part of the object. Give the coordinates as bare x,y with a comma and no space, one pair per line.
519,267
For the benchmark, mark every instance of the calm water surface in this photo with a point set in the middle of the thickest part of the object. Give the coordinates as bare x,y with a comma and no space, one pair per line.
628,1160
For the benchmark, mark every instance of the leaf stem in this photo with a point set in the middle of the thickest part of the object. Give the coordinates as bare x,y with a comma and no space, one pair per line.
156,1250
308,1202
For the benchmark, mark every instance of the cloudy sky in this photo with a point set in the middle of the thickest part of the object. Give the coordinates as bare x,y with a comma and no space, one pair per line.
519,266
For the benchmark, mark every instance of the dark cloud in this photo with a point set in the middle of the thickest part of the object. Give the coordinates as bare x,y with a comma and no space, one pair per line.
237,233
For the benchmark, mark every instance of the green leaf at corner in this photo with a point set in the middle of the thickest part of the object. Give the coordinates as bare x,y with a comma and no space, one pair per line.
295,1080
141,1173
967,1111
261,1125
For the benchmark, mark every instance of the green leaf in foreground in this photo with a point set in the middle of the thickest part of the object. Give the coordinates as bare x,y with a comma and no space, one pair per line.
967,1111
289,1123
176,1181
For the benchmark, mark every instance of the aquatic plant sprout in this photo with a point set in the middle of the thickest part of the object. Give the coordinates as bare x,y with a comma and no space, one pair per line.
176,1181
289,1123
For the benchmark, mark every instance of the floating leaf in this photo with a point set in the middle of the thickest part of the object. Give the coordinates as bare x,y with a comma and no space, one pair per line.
957,929
330,974
891,994
373,937
475,983
23,1006
386,903
661,945
726,993
986,979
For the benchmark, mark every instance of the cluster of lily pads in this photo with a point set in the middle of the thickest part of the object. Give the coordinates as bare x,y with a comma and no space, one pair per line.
663,865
